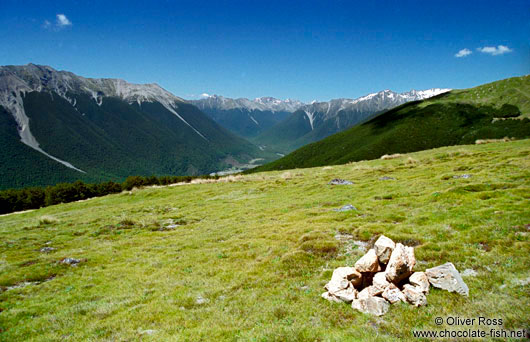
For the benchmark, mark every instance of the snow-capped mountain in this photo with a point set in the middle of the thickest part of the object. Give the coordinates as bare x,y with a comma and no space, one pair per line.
250,118
104,128
317,120
270,104
371,103
245,117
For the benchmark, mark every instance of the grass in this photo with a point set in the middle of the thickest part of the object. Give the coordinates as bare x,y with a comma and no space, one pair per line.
515,90
248,259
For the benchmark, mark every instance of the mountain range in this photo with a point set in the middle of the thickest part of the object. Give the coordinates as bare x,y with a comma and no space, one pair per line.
284,125
56,126
491,111
245,117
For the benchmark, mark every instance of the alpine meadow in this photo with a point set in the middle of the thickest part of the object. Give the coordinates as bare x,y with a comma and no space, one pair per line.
264,171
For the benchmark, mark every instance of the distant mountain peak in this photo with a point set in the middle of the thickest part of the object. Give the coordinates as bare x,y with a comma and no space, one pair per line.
266,103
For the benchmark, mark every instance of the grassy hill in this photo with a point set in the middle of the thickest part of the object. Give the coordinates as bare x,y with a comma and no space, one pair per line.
458,117
248,259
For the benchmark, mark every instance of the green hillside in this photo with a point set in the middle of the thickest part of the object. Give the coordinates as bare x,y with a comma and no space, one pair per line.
247,260
458,117
515,90
112,141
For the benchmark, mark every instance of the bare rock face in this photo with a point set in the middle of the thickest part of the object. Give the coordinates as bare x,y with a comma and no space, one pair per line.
420,280
370,291
393,294
368,263
380,280
383,248
401,263
446,277
371,305
414,295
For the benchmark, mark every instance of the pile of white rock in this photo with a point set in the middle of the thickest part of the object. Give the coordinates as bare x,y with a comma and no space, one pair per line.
384,276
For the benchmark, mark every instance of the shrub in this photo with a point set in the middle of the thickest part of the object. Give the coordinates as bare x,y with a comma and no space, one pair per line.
508,111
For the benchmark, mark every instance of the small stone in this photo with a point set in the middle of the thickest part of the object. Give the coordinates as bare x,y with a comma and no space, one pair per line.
330,297
393,294
347,207
446,277
341,278
147,332
386,178
338,181
200,300
420,280
70,261
47,249
464,176
414,295
370,291
372,305
380,280
383,249
401,263
469,272
368,263
346,295
337,285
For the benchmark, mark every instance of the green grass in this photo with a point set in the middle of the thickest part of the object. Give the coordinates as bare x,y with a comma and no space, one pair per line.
515,90
248,259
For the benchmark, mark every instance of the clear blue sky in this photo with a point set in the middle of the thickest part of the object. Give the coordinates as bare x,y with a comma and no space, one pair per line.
287,49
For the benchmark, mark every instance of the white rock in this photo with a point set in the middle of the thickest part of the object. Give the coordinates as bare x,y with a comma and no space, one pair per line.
401,263
414,295
370,291
383,249
446,277
337,285
330,297
342,277
371,305
368,263
380,280
393,294
346,295
420,280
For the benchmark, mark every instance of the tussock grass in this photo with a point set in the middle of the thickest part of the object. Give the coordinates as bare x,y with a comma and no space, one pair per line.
246,260
47,219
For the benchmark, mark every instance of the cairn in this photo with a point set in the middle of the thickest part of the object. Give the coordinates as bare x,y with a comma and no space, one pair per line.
385,276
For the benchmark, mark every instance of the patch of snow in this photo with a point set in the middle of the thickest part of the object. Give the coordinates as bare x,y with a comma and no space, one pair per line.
311,118
252,118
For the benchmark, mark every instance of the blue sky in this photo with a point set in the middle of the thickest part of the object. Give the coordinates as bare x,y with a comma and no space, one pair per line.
287,49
